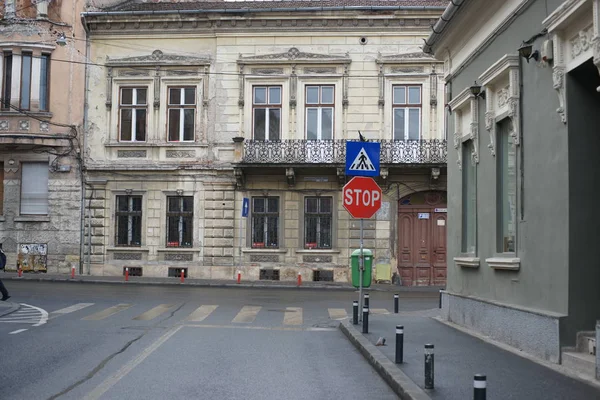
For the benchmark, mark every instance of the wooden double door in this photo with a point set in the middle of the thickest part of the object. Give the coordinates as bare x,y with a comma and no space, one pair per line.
422,244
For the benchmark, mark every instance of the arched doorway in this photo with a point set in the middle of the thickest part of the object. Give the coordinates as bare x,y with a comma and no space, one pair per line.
422,239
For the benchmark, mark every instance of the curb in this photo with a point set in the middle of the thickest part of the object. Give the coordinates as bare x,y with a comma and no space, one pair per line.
10,309
196,284
400,383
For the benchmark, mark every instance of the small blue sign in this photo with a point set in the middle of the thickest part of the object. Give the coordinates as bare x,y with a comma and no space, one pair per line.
245,206
362,158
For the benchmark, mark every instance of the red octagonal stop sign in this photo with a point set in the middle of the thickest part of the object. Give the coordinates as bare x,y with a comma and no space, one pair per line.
361,197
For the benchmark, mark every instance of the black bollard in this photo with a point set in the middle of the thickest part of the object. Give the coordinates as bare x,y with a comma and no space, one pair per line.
479,387
395,304
365,320
399,344
367,300
429,366
355,312
440,299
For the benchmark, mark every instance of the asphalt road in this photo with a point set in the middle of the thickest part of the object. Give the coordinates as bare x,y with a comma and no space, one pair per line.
91,341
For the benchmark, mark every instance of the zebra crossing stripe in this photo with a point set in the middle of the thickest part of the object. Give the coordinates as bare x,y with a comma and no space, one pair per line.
201,313
379,311
155,312
293,316
337,313
246,315
107,312
73,308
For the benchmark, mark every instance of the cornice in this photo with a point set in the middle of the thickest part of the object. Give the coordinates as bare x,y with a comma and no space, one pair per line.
293,55
562,13
166,23
502,65
157,58
461,99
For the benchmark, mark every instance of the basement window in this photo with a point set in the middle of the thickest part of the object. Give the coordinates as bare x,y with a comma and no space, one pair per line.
176,272
269,275
322,276
133,271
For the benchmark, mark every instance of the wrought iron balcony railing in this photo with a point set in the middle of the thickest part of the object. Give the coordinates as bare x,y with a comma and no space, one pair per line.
431,151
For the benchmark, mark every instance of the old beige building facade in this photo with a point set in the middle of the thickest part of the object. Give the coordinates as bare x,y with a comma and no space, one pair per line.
195,108
41,116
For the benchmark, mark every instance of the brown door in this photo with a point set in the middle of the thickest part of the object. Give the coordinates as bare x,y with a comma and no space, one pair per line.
422,245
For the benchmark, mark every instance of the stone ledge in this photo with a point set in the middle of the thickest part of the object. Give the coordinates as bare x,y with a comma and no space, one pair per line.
127,248
468,262
32,218
317,251
248,250
506,263
177,250
399,382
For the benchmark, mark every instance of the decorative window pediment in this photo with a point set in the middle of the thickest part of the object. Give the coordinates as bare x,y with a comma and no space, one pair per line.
575,31
407,58
501,82
465,110
294,56
158,58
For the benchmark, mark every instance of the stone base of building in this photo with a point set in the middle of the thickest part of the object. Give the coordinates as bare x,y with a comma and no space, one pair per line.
249,273
532,331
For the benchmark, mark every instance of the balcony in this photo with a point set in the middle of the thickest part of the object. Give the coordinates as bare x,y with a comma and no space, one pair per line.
333,152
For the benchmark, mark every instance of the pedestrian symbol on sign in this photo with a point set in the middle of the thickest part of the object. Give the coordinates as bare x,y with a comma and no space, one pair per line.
362,162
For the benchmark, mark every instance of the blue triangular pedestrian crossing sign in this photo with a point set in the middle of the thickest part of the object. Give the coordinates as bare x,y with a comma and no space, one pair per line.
362,158
362,162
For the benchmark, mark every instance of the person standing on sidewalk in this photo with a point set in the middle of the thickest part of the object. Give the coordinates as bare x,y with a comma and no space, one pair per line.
5,295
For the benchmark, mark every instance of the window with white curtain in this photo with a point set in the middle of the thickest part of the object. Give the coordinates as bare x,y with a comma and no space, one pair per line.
34,188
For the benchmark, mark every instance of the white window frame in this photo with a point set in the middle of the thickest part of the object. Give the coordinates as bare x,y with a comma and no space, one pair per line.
182,107
26,206
268,105
133,106
319,106
407,107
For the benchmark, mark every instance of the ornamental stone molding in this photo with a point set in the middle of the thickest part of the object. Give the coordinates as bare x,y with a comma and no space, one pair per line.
407,58
4,125
575,34
158,58
296,56
465,109
180,154
44,126
131,153
501,83
24,125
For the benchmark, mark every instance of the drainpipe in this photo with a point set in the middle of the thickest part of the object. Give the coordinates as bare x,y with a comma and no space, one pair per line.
83,152
521,151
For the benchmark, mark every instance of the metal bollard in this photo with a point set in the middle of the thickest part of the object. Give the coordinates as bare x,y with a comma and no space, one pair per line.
365,320
395,304
440,298
429,372
367,300
479,387
355,312
399,344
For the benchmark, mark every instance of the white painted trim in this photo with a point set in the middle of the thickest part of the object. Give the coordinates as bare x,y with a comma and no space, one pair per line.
468,262
562,14
461,99
498,69
513,264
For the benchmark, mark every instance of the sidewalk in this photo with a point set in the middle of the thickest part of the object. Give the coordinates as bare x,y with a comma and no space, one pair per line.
42,277
458,357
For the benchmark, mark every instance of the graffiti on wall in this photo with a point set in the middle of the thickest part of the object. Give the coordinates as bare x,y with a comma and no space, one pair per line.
32,257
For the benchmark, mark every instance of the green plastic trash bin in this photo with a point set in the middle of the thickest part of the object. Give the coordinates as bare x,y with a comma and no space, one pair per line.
355,264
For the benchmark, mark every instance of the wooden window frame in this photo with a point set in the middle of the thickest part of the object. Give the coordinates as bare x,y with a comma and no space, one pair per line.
46,95
6,80
268,105
181,215
319,223
319,106
267,222
406,106
130,214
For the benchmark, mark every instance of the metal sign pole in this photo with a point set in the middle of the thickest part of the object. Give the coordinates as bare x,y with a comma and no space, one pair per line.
361,261
240,252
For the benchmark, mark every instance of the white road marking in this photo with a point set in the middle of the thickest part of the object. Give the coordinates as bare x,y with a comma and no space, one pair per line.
293,316
73,308
127,368
17,331
201,313
337,313
246,315
27,315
